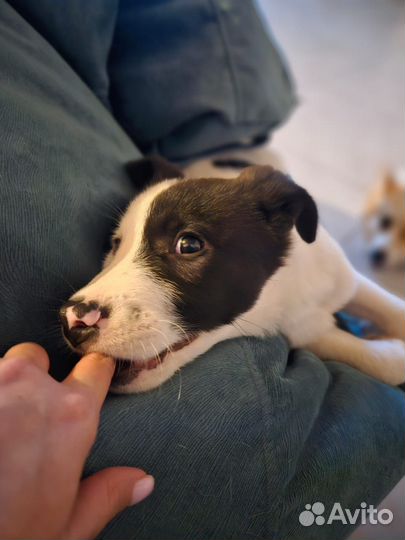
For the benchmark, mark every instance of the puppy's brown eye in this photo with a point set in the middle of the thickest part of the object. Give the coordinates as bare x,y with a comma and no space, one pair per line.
386,222
188,244
115,244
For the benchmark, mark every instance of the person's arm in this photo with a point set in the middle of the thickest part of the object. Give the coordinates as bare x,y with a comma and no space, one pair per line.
46,432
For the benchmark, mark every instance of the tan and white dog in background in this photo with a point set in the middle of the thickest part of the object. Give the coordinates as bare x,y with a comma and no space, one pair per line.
384,221
198,261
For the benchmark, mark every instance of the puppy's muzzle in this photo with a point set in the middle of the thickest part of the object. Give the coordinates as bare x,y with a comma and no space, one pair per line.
378,258
81,321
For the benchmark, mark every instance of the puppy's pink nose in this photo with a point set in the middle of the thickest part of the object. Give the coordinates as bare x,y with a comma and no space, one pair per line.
91,318
82,321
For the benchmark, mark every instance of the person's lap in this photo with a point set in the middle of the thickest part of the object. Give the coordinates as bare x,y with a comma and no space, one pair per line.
240,440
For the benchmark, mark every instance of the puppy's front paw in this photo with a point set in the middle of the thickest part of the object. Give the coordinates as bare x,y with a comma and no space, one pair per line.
400,327
391,354
397,324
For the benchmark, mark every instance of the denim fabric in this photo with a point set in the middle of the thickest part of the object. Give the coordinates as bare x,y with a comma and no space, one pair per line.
191,77
61,180
81,32
245,436
140,58
240,440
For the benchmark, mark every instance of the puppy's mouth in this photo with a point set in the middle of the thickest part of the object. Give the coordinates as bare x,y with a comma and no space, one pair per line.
127,370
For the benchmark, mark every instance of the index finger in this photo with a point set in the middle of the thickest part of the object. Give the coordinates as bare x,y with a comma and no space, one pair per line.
93,372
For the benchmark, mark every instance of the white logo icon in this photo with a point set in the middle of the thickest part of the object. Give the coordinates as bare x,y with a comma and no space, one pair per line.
313,514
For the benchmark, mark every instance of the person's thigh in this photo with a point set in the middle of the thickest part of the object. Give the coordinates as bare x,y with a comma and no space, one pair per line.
62,183
192,77
244,437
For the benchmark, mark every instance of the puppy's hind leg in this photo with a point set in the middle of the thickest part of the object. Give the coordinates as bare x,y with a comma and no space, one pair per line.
383,359
372,302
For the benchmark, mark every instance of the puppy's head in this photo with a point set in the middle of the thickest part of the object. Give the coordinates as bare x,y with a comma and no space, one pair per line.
384,223
189,256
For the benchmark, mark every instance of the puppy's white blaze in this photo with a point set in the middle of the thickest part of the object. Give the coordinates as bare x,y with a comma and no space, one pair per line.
142,320
133,223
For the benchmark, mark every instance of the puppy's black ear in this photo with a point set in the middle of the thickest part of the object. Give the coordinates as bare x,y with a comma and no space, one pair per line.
279,197
152,169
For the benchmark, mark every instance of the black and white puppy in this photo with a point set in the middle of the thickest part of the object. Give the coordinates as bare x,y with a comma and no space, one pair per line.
197,261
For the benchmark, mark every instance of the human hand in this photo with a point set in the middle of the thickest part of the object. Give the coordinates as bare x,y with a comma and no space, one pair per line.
47,429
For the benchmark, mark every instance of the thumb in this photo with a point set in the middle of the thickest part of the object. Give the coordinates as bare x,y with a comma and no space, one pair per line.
103,495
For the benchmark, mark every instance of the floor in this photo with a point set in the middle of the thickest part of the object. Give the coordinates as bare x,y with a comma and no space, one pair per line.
347,61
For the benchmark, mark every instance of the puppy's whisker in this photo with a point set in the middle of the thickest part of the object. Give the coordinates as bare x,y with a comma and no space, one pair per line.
265,330
157,355
177,326
158,358
46,296
52,328
114,208
180,386
164,336
144,349
57,275
239,328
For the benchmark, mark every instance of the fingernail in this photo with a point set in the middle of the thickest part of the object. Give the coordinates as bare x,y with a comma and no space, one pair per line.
142,489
